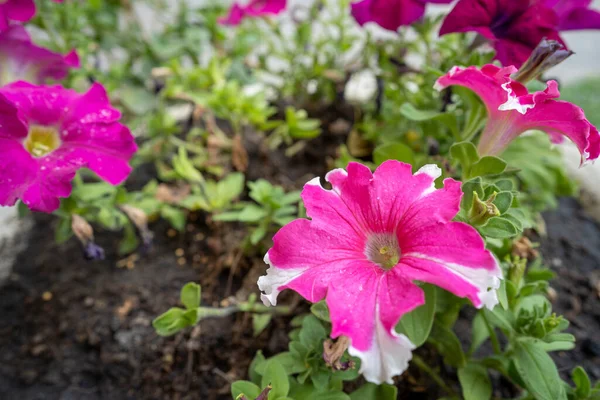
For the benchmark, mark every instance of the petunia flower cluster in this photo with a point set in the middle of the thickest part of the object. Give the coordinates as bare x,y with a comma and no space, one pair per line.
48,132
370,240
515,28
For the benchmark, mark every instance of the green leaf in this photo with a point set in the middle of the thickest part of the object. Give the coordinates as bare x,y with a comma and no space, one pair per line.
500,318
582,383
393,151
469,188
175,216
465,153
448,344
330,396
538,371
417,323
321,311
480,332
503,201
276,377
502,296
475,382
312,333
137,99
409,111
190,295
170,322
63,230
248,389
371,391
488,165
499,227
257,362
130,240
260,322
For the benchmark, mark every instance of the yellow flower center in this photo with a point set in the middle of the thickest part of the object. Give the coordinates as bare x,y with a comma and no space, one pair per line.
383,250
42,140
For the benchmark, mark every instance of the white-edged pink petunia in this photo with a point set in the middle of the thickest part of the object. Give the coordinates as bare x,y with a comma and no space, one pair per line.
24,60
253,9
368,240
47,133
512,110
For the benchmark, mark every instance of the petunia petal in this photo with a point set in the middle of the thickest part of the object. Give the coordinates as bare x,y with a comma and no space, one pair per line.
17,169
365,306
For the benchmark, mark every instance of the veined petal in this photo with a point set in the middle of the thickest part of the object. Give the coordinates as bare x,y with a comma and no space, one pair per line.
452,256
476,284
312,255
366,308
17,169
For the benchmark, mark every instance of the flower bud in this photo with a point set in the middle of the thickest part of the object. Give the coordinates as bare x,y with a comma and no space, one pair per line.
82,229
516,270
85,233
546,55
334,351
140,220
482,211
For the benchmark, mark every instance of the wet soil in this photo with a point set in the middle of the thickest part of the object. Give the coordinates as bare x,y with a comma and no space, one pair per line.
71,329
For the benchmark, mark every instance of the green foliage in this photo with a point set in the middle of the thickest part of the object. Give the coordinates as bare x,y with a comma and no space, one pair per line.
271,207
301,373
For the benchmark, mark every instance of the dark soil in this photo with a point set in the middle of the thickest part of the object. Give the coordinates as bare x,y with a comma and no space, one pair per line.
71,329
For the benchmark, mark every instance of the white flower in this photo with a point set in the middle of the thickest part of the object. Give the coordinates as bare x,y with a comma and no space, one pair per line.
361,88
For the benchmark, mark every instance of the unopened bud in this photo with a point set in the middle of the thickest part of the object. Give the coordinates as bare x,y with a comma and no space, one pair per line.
334,351
85,233
546,55
93,252
140,220
482,211
517,270
82,229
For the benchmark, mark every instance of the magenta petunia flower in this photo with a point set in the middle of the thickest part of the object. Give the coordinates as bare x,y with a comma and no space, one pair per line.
15,10
391,14
23,60
575,14
370,238
512,110
47,133
254,8
515,28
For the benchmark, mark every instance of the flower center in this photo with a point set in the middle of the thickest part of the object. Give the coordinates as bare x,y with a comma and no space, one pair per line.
383,250
41,140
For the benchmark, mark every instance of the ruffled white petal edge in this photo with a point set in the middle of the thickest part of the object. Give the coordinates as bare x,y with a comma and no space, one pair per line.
388,356
434,172
485,280
276,277
513,102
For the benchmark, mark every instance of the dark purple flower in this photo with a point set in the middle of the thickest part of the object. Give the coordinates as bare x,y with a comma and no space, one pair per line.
575,14
391,14
515,27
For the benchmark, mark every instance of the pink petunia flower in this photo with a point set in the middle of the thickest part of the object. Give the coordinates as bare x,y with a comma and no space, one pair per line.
47,133
512,110
254,8
391,14
515,28
23,60
575,14
367,242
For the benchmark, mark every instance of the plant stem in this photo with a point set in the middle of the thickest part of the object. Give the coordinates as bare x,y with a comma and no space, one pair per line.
493,336
419,362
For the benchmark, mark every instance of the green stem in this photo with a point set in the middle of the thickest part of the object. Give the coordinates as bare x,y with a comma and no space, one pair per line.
419,362
493,336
